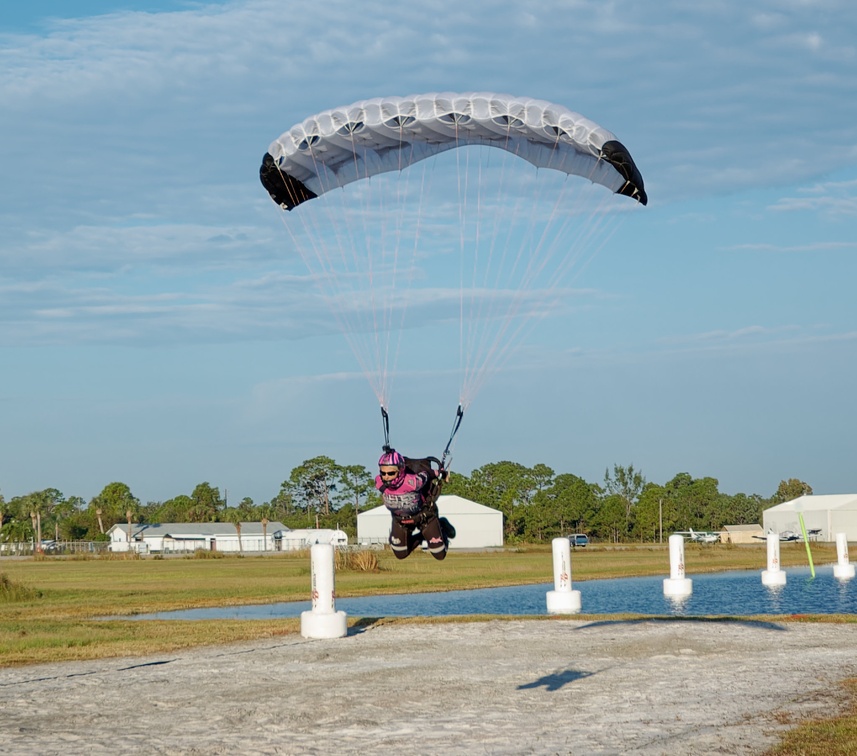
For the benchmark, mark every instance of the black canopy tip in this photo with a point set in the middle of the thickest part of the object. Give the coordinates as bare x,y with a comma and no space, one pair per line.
615,153
287,191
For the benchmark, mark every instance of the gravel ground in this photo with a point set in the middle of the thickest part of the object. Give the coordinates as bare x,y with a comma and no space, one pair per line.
561,686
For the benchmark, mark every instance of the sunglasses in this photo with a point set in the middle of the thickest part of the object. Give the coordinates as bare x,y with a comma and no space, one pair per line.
389,473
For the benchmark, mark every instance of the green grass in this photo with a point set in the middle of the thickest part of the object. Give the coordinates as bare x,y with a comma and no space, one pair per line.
835,736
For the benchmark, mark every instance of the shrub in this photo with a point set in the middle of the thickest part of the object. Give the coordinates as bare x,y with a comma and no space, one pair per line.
206,554
359,561
11,591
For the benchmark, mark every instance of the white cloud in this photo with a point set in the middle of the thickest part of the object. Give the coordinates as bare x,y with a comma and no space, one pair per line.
132,140
796,248
832,199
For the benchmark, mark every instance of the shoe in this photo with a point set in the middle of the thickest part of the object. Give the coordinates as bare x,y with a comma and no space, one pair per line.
447,529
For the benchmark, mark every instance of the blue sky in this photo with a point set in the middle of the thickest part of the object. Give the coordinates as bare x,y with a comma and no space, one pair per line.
156,329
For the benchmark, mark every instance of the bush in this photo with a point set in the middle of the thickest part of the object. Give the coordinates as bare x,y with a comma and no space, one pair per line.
119,555
10,591
205,554
359,561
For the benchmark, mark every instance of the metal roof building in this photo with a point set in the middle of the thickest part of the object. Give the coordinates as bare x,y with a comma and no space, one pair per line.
169,537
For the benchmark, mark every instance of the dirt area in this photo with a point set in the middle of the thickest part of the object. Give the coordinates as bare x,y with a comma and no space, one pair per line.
562,686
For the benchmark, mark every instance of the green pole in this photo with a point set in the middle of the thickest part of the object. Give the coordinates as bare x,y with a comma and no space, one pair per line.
806,543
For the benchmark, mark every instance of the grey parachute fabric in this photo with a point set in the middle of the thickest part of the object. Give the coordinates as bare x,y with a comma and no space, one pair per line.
369,137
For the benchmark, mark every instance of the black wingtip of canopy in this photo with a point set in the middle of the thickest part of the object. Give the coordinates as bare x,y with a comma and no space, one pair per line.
617,155
285,190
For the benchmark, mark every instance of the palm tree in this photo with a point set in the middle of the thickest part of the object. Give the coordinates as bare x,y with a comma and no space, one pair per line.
16,532
231,514
129,514
36,517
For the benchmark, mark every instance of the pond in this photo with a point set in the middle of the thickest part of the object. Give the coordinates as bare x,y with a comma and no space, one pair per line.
726,593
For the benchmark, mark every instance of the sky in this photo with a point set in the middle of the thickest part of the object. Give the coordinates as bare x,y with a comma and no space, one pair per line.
156,327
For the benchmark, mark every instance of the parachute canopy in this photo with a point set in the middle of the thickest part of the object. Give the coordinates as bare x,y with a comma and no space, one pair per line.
447,230
341,145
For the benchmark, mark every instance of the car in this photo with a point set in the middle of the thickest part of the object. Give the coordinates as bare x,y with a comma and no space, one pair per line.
578,539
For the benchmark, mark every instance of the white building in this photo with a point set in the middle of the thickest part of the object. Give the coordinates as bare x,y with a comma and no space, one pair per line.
173,537
830,514
476,526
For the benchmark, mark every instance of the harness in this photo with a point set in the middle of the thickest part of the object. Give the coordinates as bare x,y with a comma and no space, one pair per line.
416,465
428,494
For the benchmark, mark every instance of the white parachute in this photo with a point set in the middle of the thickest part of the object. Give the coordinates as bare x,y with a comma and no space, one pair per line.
342,145
462,212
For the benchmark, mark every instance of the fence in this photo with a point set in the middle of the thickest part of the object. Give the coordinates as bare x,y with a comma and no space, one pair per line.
52,548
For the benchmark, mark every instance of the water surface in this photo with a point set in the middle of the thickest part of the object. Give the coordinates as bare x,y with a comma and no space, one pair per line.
725,593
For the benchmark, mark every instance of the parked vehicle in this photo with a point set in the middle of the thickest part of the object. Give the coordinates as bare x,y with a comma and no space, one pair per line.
578,539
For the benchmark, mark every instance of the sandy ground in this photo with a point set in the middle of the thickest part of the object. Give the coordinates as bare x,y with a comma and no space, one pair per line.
498,687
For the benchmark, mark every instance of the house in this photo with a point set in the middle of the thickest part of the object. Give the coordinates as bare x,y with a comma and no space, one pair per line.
477,526
741,534
828,514
173,537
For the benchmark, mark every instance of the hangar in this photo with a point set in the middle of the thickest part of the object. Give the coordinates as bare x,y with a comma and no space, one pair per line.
829,514
477,526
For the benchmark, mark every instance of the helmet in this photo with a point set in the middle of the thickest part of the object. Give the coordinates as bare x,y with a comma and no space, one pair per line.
389,458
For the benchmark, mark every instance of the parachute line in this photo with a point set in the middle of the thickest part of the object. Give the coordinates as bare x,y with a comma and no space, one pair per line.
385,194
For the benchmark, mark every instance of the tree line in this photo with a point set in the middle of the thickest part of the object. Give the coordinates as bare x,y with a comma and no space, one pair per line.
537,503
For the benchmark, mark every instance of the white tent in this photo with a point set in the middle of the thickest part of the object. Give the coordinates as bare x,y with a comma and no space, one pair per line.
831,514
476,526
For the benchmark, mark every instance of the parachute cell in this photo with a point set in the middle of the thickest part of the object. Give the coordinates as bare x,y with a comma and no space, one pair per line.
342,145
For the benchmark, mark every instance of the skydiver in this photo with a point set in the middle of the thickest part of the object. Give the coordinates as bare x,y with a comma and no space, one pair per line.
411,498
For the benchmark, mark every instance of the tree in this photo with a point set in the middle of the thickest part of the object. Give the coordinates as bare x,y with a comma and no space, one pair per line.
694,503
67,519
176,509
313,483
40,507
506,486
791,489
281,507
626,483
746,510
610,521
247,509
207,503
355,485
648,513
112,503
569,504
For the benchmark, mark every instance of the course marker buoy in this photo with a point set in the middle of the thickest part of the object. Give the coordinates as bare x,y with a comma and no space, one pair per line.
323,621
843,569
562,599
677,585
773,575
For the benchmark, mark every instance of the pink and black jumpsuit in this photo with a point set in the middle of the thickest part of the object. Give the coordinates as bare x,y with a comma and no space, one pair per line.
407,504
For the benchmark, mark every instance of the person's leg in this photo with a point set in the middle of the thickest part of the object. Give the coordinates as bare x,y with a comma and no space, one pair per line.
402,542
434,537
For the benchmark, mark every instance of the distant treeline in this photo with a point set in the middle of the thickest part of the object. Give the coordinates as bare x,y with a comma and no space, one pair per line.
537,503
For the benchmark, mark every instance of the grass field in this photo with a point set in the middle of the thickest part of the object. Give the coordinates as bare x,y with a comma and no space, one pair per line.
49,607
